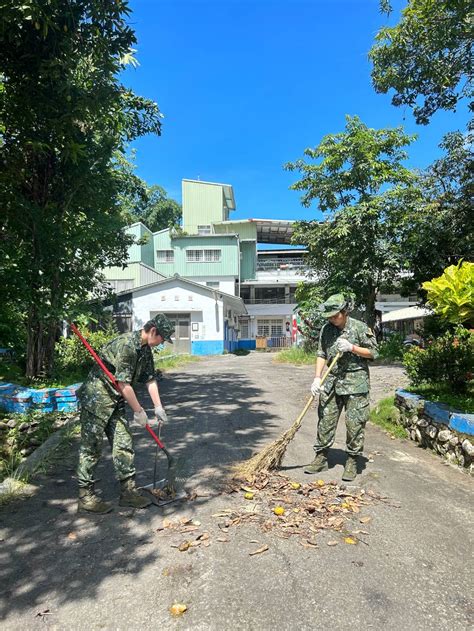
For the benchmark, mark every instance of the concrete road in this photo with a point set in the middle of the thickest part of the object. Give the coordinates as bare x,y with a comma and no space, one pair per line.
66,571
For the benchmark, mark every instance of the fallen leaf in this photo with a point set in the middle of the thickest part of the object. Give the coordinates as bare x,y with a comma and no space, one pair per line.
365,520
184,546
350,540
177,609
259,551
72,536
332,543
222,539
195,522
203,537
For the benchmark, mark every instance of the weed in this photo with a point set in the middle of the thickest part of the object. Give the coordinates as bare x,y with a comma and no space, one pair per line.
385,415
295,355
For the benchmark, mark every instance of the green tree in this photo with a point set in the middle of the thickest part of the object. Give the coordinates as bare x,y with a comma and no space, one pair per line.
438,225
156,210
357,177
427,57
65,120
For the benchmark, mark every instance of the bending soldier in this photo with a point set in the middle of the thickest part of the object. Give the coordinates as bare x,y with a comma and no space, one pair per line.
347,387
129,358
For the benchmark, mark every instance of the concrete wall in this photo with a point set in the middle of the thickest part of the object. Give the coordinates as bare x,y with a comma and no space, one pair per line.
206,313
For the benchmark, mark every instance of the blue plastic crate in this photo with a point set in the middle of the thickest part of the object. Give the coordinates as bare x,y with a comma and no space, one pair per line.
67,406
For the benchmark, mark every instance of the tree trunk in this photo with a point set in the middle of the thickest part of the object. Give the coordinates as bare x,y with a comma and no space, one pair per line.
40,345
370,317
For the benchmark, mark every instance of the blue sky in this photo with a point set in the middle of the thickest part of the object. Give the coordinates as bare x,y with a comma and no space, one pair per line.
247,85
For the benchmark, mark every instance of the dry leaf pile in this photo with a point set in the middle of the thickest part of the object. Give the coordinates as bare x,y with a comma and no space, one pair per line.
276,504
281,507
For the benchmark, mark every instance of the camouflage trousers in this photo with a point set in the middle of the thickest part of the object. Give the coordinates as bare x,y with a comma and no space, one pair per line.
357,414
117,430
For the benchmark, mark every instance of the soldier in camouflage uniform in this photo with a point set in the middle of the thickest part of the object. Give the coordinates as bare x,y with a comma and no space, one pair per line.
347,387
129,358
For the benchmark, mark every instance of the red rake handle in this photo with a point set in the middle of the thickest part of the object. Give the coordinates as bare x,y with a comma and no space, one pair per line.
111,378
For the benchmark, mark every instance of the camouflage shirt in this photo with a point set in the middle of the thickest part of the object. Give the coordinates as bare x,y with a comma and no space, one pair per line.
351,373
128,361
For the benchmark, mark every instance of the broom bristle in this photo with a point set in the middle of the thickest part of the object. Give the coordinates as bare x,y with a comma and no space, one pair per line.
269,458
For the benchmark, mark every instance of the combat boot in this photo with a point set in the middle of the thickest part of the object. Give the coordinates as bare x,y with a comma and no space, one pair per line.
91,503
350,470
320,463
130,496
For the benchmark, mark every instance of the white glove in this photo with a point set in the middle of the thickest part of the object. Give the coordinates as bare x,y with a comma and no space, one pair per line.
316,386
161,414
344,346
141,418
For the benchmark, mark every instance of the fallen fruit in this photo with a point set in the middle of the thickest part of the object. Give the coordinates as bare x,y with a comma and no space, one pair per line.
320,482
350,540
279,510
249,496
295,485
177,609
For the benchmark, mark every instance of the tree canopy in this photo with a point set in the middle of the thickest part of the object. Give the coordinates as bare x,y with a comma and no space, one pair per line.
427,57
65,120
357,178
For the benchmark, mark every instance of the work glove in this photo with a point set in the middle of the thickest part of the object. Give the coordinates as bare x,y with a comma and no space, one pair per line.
141,418
344,346
316,386
161,414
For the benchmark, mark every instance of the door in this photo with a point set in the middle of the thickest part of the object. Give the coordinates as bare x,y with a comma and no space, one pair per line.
182,331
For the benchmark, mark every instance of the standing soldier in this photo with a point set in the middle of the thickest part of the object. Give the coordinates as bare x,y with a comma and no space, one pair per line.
347,387
129,358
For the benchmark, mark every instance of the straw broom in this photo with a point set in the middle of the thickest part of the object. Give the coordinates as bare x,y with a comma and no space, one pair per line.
271,457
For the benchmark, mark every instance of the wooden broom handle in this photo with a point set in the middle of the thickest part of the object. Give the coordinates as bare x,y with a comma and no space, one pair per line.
311,398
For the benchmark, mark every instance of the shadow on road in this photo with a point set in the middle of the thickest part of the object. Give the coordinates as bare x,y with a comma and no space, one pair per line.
49,551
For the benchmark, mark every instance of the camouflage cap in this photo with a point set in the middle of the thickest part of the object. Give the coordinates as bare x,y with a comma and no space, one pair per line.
164,327
334,304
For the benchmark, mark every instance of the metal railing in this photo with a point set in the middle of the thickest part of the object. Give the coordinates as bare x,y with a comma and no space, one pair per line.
283,263
284,300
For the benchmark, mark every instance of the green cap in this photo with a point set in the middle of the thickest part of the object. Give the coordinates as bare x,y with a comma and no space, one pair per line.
334,304
164,327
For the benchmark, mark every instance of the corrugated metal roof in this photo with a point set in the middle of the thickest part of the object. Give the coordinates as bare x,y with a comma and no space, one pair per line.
407,313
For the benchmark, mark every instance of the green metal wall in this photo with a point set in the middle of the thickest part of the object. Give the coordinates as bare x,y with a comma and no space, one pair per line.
227,266
202,204
248,261
245,229
141,253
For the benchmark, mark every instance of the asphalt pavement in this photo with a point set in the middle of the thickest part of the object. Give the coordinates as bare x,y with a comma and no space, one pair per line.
61,570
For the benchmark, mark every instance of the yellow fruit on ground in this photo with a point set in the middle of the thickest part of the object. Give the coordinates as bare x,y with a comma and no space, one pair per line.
249,496
320,482
295,485
177,609
279,510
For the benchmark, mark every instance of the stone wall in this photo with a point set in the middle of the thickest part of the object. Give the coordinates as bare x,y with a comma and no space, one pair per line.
436,426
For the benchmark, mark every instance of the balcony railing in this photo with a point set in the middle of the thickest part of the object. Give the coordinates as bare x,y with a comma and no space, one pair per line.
284,300
265,264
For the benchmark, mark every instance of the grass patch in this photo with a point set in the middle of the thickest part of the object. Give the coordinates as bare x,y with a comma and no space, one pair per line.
296,356
165,360
439,393
384,414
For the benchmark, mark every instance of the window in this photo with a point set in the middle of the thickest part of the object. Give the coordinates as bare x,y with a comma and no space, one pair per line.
270,328
212,283
203,256
204,229
164,256
244,329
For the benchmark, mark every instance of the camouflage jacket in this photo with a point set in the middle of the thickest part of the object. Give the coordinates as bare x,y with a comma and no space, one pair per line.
351,373
128,361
